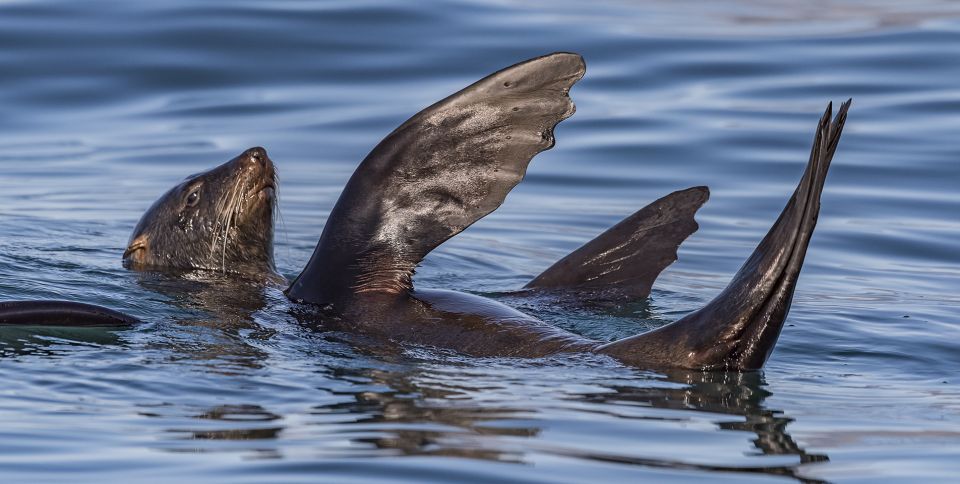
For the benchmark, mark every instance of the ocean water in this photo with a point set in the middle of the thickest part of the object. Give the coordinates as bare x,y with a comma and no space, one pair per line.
106,104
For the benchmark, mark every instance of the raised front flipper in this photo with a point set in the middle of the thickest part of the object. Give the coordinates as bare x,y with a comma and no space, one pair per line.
61,313
739,328
623,262
435,175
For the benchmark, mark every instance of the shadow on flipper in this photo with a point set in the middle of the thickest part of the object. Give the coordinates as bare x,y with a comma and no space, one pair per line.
739,328
623,262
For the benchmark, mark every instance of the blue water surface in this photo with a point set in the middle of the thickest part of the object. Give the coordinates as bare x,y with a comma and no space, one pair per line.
106,104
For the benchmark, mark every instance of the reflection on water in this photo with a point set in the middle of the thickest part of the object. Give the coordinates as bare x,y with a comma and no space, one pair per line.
422,409
417,413
223,331
51,341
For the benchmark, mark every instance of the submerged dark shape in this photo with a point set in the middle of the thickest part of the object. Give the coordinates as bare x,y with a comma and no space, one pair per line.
218,220
61,313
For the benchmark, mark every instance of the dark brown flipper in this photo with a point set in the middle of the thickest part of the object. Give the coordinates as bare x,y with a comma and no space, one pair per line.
435,175
61,313
624,261
739,328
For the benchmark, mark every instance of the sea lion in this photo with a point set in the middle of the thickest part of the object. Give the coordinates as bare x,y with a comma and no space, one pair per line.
455,162
219,220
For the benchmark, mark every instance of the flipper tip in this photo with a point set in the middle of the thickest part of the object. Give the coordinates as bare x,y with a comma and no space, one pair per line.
561,66
699,193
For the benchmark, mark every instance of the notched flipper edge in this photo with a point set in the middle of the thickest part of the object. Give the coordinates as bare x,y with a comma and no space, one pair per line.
445,150
624,261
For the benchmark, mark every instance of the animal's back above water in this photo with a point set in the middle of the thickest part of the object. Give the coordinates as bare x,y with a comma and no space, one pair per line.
467,323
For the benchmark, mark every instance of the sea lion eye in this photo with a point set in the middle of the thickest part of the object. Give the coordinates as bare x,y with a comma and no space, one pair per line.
193,197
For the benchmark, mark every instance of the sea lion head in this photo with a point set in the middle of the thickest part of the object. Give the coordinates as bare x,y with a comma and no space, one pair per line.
221,219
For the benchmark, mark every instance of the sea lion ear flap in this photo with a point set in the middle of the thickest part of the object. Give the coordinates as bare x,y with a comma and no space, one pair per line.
136,249
434,176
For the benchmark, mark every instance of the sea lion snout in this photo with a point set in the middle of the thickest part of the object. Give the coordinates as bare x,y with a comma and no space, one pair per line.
260,170
255,159
256,155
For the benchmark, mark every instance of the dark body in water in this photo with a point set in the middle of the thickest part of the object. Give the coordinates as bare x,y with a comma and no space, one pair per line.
60,313
443,170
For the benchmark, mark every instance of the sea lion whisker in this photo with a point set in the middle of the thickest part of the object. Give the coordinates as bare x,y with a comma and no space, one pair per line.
222,228
235,196
220,211
216,229
221,206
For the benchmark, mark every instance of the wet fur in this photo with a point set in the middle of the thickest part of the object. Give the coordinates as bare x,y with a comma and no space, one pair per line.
229,230
398,206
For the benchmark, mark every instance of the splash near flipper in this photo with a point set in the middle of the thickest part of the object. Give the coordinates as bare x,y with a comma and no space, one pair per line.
739,328
434,176
623,262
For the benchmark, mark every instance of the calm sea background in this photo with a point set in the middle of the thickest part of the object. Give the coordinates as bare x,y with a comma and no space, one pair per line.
106,104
